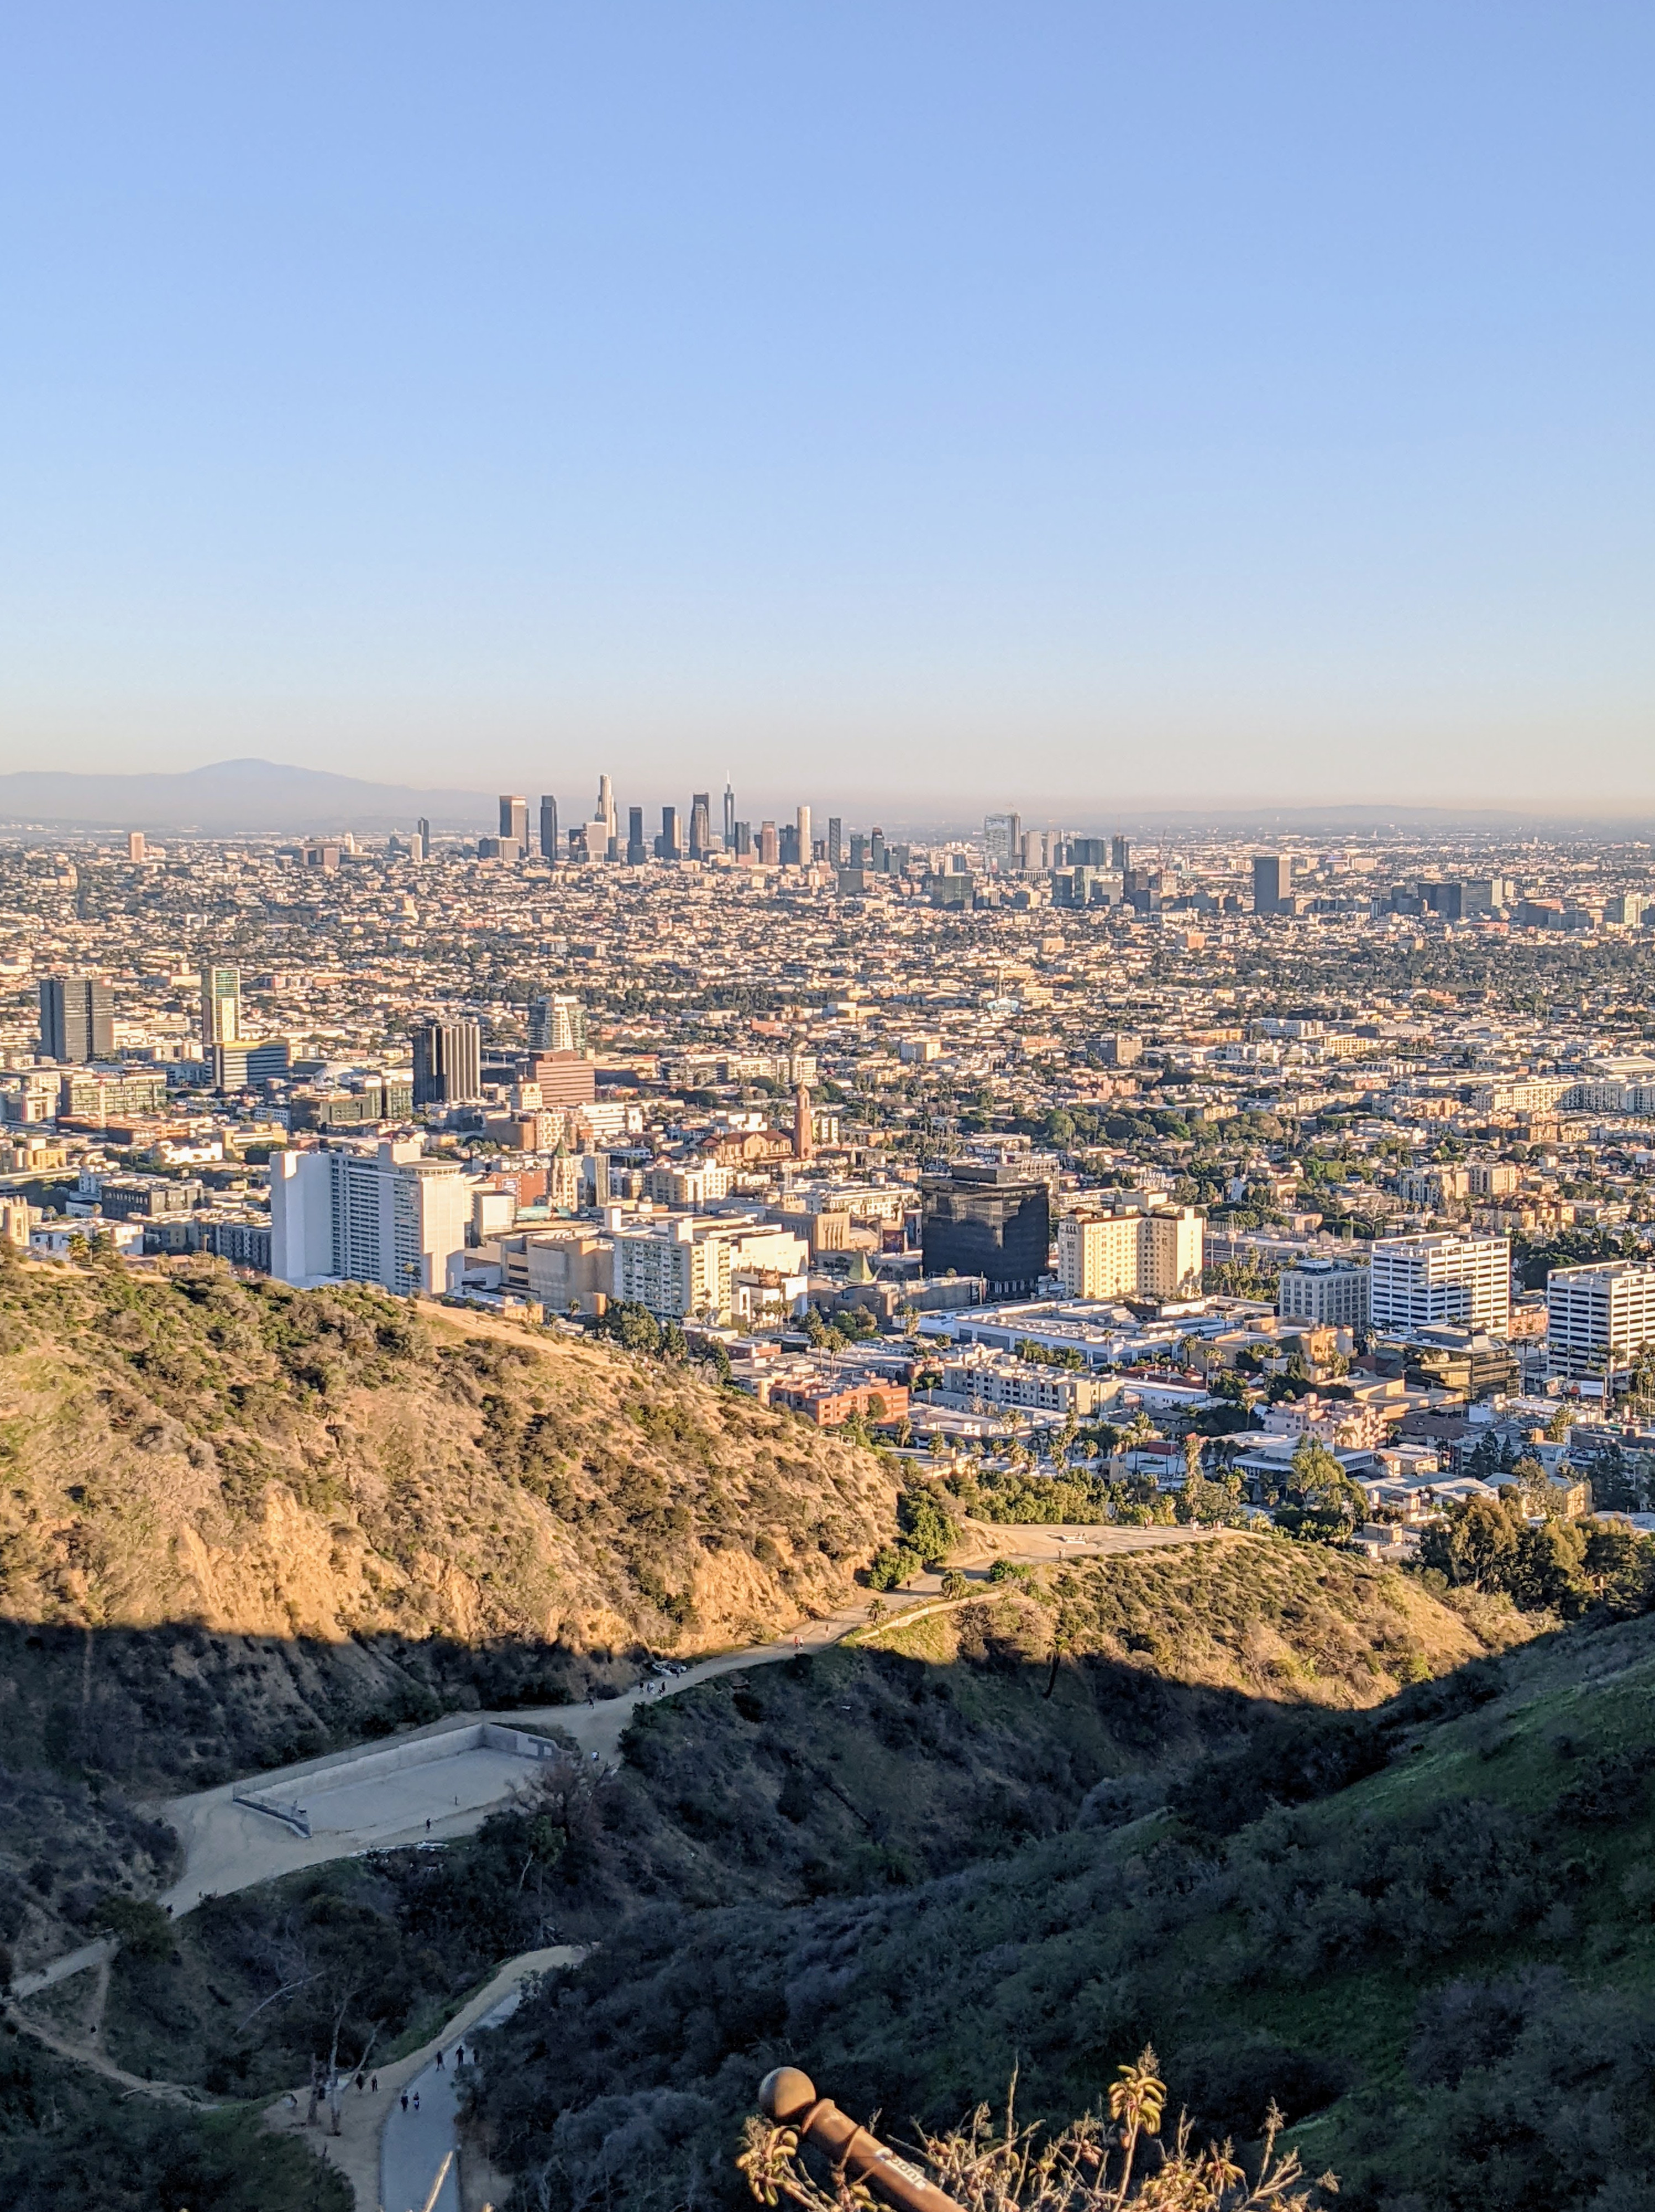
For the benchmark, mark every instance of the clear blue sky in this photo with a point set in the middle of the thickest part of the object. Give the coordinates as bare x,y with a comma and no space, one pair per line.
1251,398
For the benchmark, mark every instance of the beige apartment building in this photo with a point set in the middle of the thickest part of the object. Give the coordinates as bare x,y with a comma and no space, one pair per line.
1158,1253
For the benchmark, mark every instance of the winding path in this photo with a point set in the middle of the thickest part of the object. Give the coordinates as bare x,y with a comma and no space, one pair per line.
227,1846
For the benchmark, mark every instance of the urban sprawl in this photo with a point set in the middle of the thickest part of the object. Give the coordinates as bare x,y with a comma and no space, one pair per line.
1260,1181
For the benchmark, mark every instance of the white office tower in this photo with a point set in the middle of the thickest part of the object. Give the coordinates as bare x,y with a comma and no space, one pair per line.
1598,1319
557,1023
603,831
802,821
368,1213
1419,1280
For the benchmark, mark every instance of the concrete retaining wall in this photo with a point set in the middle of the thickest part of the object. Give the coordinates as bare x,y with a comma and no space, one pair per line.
394,1758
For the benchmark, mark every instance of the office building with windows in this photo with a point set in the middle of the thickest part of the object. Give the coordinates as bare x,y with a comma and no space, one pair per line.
1328,1293
1599,1318
1272,882
447,1063
557,1023
549,845
77,1018
1442,1277
514,819
1002,839
368,1213
987,1219
221,1008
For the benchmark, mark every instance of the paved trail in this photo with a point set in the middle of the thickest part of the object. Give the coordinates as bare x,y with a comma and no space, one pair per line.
229,1846
370,2118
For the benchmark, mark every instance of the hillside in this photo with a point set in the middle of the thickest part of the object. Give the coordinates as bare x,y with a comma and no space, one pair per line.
273,1462
240,1524
1425,1930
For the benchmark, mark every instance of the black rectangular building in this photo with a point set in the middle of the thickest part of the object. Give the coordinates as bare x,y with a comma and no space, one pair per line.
990,1220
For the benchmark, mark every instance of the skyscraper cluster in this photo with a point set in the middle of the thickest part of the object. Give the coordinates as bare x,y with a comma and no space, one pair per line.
680,837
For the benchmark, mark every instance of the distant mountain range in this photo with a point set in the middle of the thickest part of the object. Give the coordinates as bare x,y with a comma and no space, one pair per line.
255,795
231,796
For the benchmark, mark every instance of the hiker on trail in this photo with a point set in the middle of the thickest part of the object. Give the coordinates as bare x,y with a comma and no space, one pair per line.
427,1826
439,2055
416,2100
404,2101
374,2086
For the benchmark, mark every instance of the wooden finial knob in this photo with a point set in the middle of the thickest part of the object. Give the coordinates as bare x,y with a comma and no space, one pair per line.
785,2094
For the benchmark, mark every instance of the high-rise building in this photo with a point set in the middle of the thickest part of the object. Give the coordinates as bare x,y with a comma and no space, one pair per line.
416,847
729,816
221,1008
447,1063
1120,854
677,1267
769,851
603,842
667,846
1330,1293
786,846
424,829
77,1021
1153,1253
250,1063
744,840
701,826
1002,837
637,851
137,846
804,1124
801,824
835,842
514,819
550,848
1272,881
1442,1277
368,1213
1599,1318
557,1023
990,1220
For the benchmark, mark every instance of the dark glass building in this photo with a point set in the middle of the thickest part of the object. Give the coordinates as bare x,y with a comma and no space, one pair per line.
447,1063
990,1220
76,1018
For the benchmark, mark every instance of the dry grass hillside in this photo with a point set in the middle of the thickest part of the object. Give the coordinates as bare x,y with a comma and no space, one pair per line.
269,1462
1297,1623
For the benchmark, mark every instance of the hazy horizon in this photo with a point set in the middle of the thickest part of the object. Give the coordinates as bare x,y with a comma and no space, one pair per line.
1106,407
